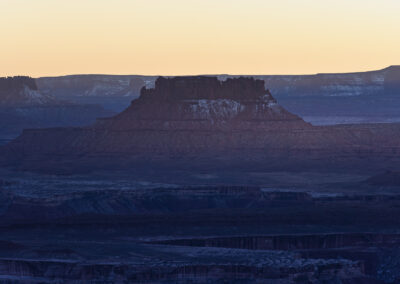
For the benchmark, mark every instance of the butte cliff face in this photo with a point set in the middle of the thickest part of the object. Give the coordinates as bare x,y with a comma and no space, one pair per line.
21,91
205,121
204,104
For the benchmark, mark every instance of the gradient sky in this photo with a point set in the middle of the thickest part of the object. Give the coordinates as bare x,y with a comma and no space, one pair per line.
176,37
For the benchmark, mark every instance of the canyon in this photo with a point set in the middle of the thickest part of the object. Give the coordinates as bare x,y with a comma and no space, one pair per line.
201,179
113,228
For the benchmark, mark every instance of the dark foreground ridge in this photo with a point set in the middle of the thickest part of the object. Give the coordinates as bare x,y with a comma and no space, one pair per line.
201,122
79,230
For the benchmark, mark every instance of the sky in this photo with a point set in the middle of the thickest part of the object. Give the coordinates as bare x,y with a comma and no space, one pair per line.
188,37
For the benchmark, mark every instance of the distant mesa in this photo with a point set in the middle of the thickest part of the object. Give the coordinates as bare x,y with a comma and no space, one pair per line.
203,103
22,91
203,122
94,85
112,92
17,83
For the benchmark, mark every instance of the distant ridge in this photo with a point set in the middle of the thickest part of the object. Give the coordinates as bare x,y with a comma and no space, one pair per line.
24,105
324,84
395,66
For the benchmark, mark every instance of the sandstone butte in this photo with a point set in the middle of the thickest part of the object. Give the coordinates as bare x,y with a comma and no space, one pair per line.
204,122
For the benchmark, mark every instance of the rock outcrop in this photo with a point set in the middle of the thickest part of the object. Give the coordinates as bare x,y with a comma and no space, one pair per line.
203,103
22,91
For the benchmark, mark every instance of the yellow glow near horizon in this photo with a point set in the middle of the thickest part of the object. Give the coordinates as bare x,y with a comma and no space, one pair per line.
181,37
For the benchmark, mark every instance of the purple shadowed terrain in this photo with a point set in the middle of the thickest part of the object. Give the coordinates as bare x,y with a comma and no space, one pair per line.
202,180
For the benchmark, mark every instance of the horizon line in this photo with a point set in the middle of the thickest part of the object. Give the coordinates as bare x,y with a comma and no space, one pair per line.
204,74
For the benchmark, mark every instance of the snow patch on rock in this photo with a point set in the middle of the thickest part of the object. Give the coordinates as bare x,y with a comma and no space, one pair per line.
34,96
346,90
217,109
